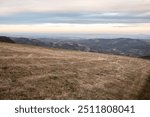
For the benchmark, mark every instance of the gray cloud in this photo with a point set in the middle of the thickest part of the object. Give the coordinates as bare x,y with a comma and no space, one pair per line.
75,17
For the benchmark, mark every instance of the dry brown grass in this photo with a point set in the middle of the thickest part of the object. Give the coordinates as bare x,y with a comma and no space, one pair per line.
29,72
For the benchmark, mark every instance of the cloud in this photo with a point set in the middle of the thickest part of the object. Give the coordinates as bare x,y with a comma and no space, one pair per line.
74,11
84,15
16,6
75,18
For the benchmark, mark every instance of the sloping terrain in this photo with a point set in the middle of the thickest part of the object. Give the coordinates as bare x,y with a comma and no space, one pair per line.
117,46
6,39
121,46
30,72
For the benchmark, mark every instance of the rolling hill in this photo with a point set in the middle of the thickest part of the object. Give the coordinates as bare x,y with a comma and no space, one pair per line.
117,46
32,72
6,39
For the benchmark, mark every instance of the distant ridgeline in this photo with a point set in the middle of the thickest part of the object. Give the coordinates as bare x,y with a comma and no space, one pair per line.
117,46
6,39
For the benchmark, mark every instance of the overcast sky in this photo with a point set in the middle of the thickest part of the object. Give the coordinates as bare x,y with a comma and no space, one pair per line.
75,16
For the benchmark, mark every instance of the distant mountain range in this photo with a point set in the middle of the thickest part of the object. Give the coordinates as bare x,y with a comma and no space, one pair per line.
118,46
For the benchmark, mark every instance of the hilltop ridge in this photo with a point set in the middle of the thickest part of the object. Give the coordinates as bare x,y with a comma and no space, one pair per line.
32,72
6,39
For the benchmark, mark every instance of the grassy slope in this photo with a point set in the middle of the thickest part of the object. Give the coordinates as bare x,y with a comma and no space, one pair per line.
29,72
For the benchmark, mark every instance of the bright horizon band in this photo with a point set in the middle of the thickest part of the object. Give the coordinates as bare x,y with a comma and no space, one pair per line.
142,28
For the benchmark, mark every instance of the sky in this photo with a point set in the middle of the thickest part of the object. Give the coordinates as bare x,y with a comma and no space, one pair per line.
75,16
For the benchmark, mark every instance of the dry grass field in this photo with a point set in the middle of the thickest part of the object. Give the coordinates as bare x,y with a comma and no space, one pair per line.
30,72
